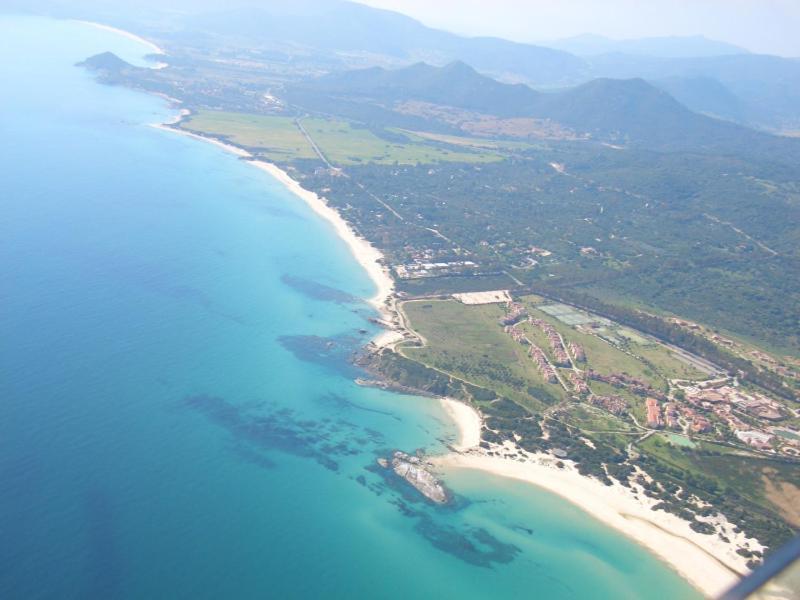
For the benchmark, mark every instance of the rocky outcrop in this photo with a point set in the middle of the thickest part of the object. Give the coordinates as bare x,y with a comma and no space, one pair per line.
413,470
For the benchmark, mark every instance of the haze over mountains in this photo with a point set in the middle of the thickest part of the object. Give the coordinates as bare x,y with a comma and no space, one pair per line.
628,111
710,77
664,47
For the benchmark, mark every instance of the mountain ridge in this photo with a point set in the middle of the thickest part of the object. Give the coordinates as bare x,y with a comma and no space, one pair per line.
623,111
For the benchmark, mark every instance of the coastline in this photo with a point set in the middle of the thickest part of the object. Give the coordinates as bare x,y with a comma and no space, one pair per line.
155,49
708,563
369,257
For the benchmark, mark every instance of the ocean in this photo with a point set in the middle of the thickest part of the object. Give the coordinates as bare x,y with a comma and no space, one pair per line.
178,411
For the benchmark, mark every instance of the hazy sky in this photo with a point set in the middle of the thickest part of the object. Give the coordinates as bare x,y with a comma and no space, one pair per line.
768,26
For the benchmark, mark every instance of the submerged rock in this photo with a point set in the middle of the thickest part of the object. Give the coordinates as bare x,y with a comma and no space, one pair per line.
414,472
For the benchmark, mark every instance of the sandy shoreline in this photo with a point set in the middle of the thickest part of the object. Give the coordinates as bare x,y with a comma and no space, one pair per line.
468,422
365,253
369,257
127,34
707,562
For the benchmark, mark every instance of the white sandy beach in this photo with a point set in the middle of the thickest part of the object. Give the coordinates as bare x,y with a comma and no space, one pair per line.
154,49
707,562
468,422
365,253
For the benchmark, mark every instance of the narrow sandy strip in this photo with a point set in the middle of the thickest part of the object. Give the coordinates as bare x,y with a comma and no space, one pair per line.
154,49
468,422
131,36
365,253
707,562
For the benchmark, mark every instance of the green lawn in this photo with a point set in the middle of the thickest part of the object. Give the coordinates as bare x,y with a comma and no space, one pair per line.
468,342
470,142
276,138
585,416
666,362
343,143
600,355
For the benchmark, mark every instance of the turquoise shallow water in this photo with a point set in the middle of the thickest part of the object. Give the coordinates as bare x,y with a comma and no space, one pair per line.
178,417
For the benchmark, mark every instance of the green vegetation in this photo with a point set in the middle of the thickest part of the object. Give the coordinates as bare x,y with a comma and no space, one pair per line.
276,138
468,343
345,144
659,212
736,485
342,142
499,145
467,354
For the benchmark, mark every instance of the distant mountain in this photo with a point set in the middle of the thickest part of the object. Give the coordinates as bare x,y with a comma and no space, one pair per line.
767,86
336,25
630,112
705,95
666,47
456,84
334,31
634,112
105,61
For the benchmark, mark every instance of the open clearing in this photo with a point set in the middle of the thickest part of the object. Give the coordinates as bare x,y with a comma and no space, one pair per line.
466,341
278,138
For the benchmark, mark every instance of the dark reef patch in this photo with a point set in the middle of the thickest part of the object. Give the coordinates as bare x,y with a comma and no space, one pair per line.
475,546
340,402
319,291
260,429
336,354
273,429
247,454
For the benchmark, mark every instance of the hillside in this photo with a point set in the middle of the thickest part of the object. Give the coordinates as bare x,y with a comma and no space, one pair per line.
624,112
351,27
335,35
705,95
105,61
665,47
456,84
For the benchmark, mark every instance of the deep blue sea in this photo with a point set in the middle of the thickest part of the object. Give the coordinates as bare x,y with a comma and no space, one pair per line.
178,413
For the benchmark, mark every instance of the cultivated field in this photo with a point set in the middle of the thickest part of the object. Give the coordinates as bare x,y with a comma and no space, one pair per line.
343,143
276,138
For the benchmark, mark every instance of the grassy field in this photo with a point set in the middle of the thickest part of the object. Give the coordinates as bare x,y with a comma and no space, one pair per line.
279,138
769,483
346,144
466,341
276,138
600,355
589,418
605,358
469,142
666,363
